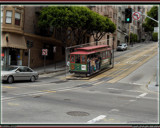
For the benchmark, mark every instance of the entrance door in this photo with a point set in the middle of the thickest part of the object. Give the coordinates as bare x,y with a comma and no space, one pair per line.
14,54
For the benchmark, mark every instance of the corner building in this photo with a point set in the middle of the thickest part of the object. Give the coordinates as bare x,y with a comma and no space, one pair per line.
19,26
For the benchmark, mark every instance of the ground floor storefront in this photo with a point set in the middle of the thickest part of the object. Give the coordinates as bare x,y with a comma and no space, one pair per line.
15,50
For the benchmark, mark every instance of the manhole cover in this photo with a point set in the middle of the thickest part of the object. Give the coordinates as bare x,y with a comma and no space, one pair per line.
77,113
57,82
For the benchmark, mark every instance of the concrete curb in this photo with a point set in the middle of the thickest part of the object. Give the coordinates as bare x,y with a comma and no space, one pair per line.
48,72
51,74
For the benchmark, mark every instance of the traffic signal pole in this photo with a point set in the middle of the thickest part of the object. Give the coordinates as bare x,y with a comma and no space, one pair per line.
29,52
129,34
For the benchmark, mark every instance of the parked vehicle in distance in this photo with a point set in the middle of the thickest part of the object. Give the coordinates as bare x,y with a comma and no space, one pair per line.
17,73
122,47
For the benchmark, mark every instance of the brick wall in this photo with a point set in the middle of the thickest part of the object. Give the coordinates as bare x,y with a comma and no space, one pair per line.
36,58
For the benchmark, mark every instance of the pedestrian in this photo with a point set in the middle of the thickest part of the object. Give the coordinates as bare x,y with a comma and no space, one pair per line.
97,64
68,63
94,64
100,61
89,65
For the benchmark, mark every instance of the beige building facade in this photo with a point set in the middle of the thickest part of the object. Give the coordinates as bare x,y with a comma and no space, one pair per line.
110,12
19,26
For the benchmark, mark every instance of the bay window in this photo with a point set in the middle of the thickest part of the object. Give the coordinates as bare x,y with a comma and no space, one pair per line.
17,18
8,17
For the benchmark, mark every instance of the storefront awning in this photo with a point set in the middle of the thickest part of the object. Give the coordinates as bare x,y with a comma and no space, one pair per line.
14,41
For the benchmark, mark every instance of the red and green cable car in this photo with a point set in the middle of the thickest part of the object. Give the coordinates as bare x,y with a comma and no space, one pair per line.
91,59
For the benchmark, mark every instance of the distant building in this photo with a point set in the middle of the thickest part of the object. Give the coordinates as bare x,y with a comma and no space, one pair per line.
110,12
122,27
136,25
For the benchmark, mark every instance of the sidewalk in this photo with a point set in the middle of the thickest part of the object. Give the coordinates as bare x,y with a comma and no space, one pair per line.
60,66
152,85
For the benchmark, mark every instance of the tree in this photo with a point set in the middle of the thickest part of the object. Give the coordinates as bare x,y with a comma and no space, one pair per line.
133,38
150,24
100,26
78,20
155,36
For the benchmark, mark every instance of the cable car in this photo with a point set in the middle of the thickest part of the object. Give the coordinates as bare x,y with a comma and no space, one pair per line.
91,59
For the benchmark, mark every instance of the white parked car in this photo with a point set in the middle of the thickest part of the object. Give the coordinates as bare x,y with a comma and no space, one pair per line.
122,47
16,73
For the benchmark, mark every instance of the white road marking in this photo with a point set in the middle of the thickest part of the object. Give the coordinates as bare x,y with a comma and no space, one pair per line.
132,100
101,117
125,90
115,88
98,83
142,95
124,95
114,110
137,84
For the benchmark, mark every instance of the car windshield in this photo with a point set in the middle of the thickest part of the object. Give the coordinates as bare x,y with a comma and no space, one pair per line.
9,68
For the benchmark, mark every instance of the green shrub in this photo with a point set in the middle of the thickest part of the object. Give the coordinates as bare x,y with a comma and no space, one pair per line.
155,36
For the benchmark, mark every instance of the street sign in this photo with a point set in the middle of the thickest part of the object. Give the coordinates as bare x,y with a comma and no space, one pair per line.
44,52
136,15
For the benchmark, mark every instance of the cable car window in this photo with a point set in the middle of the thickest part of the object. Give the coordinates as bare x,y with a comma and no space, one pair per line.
83,59
72,59
77,58
103,55
109,53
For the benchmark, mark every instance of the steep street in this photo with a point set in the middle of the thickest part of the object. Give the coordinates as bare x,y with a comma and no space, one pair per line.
117,96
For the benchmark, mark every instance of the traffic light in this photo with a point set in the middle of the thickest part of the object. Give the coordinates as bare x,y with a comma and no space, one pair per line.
31,44
28,44
128,15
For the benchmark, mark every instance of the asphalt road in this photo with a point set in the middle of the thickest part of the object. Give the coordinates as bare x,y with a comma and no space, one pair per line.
124,99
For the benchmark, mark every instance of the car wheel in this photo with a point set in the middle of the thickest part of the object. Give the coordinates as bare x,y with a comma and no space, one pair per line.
10,79
33,79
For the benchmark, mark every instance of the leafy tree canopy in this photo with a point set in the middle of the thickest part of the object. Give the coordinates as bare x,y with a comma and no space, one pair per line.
150,24
75,18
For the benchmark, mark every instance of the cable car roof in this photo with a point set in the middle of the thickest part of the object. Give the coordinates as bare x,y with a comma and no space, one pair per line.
82,52
93,47
86,52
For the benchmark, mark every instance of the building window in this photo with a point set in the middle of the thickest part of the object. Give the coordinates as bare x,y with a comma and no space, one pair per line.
8,17
17,18
110,14
105,9
115,17
97,9
1,16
